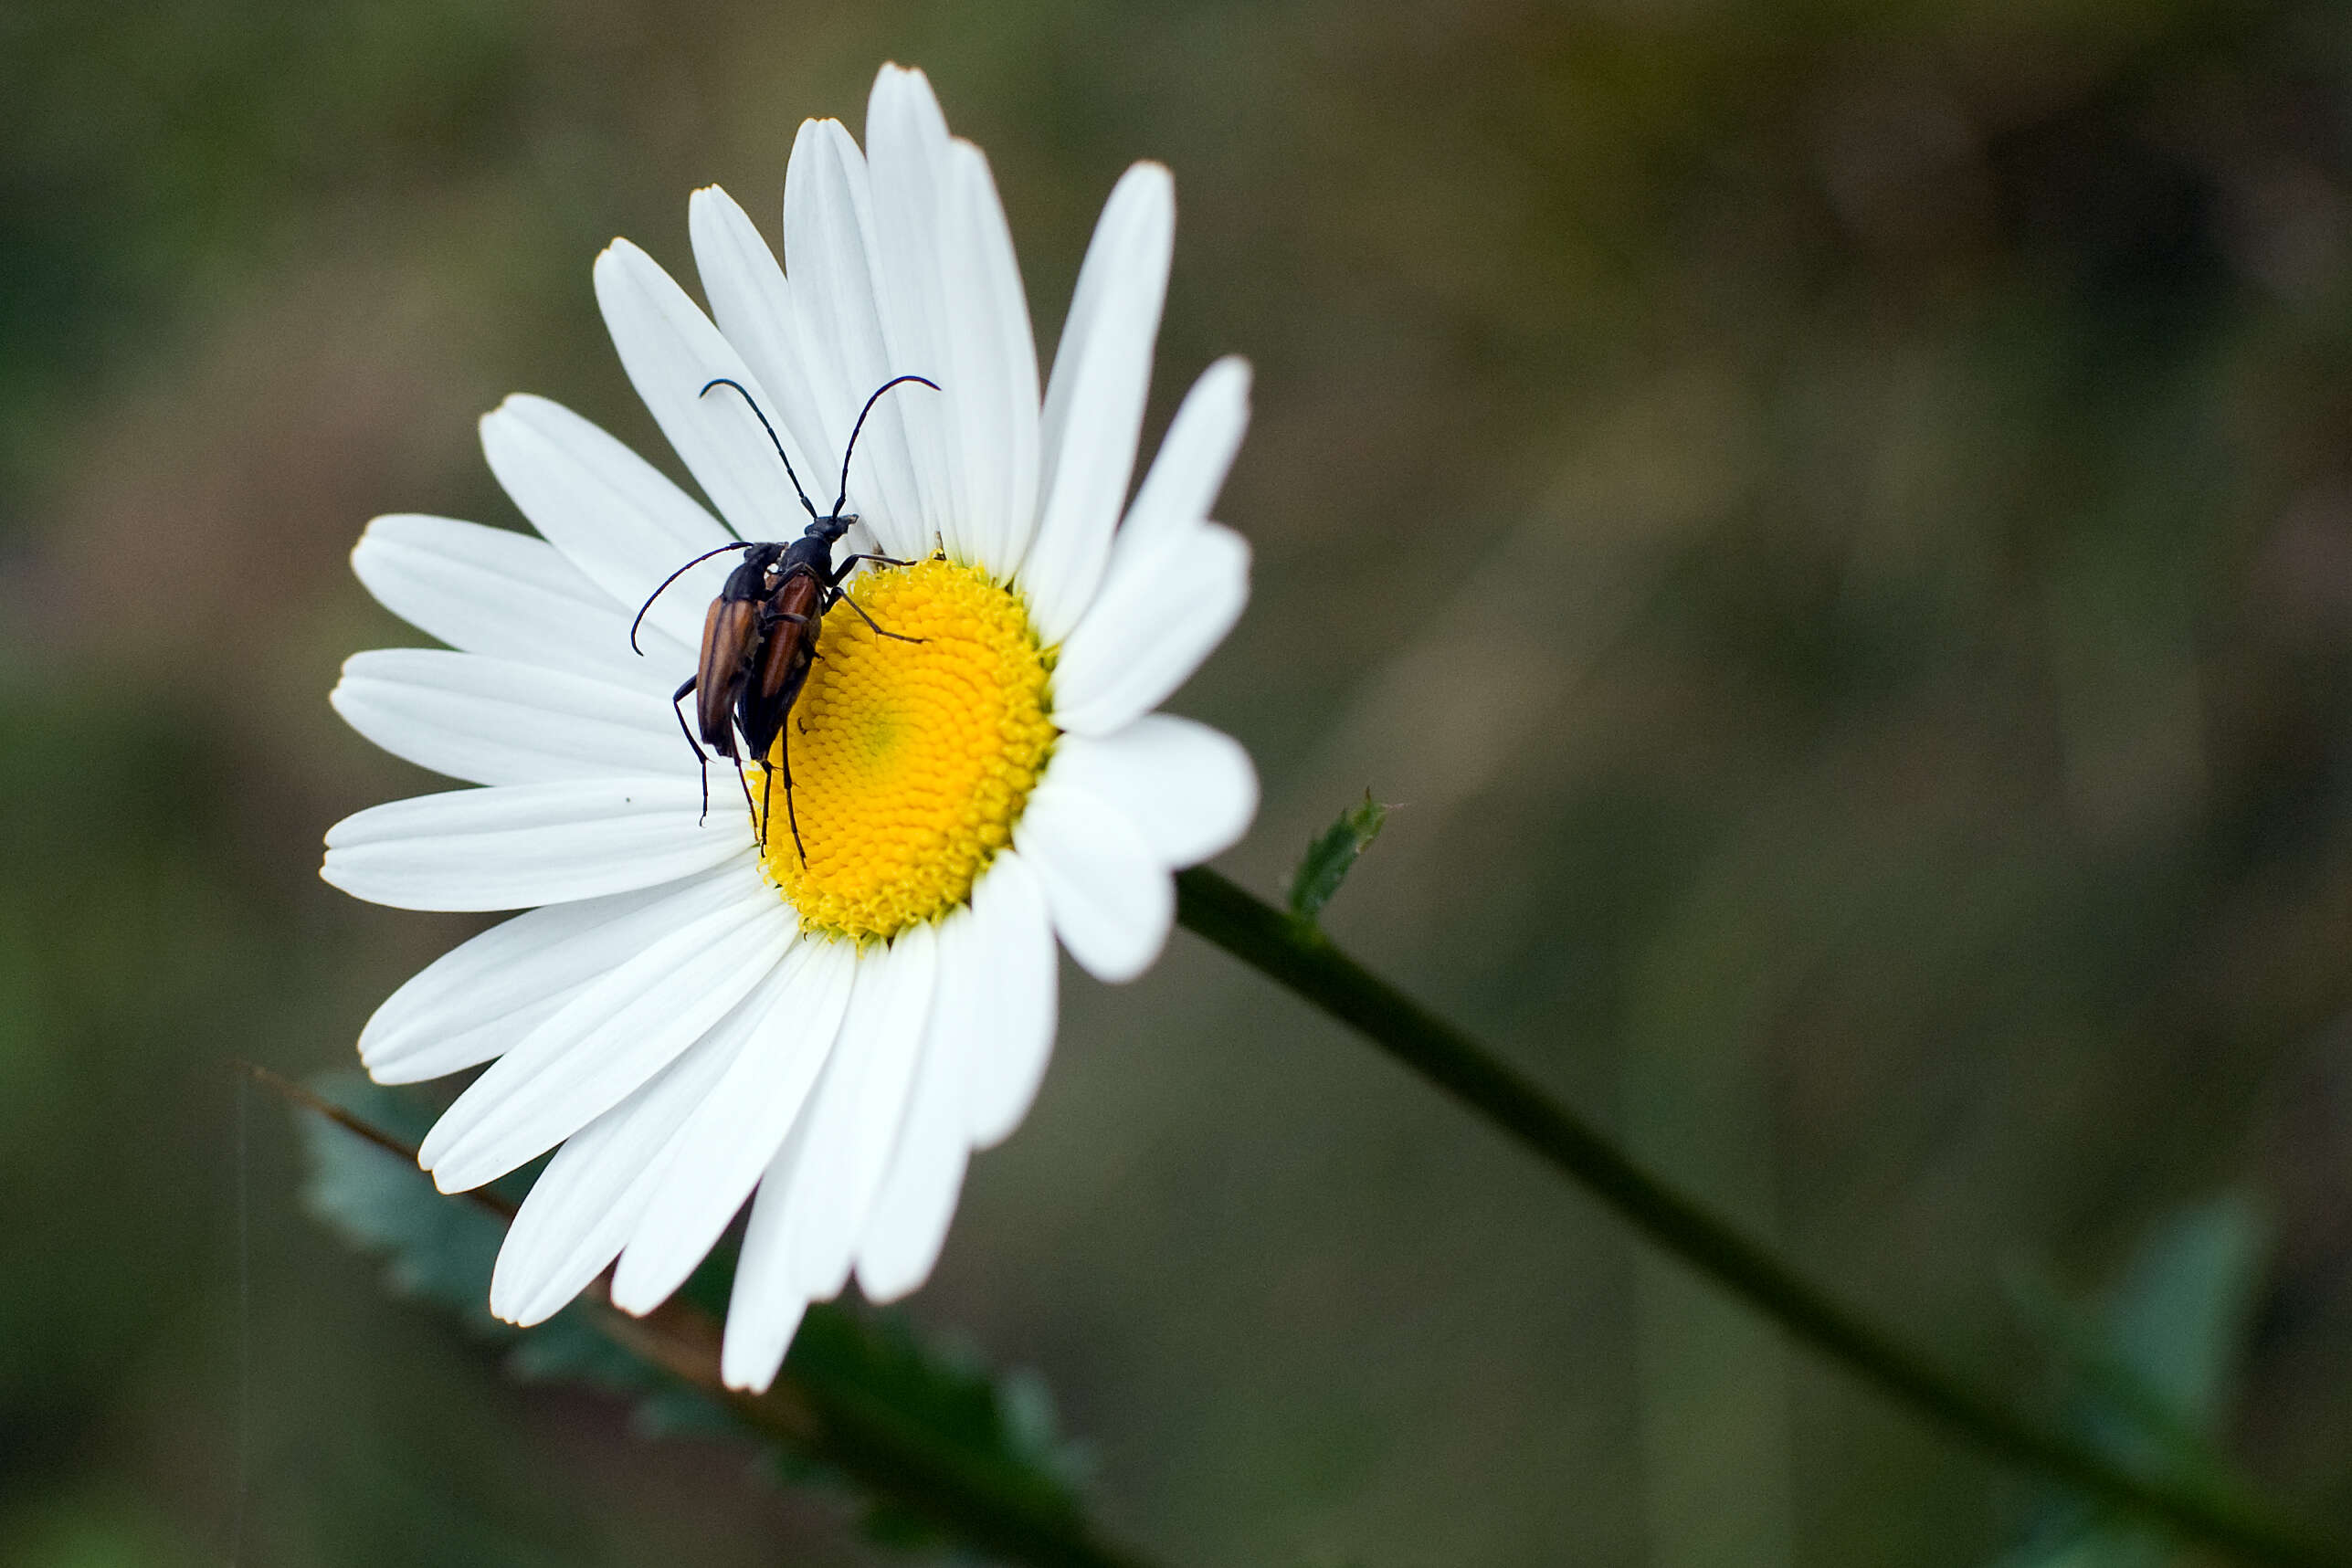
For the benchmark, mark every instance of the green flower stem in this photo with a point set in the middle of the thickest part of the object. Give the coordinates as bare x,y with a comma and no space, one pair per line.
1296,954
890,1456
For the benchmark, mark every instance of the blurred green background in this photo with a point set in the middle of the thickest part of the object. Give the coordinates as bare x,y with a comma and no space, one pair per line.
1832,522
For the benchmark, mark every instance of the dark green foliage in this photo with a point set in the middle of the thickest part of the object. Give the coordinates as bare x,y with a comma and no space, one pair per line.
863,1372
439,1251
1332,855
881,1367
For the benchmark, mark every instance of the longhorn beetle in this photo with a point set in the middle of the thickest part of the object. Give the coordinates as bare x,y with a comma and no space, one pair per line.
760,635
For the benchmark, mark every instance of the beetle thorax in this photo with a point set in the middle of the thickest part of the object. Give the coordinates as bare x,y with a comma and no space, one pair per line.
810,552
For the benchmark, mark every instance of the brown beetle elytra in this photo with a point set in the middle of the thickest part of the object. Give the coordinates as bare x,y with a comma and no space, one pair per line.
760,635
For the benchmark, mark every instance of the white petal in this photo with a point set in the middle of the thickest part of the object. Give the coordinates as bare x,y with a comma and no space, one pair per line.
1193,460
908,1222
516,846
1094,403
790,1025
854,1122
768,1299
1012,1027
751,303
991,369
481,1038
805,1217
906,159
583,1206
828,241
766,1306
610,1038
613,515
492,721
1189,789
672,352
479,998
1154,623
492,591
1112,901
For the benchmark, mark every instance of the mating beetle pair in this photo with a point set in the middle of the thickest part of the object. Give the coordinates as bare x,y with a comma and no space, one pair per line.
760,635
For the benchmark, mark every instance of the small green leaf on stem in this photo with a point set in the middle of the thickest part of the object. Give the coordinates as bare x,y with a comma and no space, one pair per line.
2145,1375
1332,856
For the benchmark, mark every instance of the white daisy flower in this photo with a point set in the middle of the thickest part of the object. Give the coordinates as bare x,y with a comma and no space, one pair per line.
697,1018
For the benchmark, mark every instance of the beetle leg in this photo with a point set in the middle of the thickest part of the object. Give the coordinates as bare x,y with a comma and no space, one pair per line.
784,757
897,637
793,817
746,787
848,562
767,805
700,755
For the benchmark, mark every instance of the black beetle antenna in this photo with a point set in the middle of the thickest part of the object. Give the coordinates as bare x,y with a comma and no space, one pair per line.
721,549
842,500
730,381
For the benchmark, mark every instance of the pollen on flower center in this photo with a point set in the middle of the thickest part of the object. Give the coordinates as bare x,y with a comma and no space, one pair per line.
910,761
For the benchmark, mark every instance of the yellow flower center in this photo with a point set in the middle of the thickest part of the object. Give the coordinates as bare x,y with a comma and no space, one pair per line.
910,761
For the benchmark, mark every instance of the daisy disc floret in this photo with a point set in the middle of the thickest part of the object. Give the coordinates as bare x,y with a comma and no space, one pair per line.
692,1012
912,759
